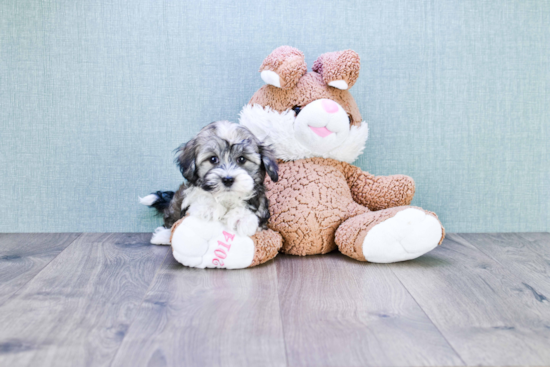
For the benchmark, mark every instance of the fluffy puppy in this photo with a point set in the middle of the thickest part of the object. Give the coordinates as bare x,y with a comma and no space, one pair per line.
225,167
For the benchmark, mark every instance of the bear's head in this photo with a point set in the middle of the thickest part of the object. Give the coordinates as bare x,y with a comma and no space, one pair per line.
306,115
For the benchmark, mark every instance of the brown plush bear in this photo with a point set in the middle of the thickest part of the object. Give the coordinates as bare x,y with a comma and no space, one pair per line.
321,202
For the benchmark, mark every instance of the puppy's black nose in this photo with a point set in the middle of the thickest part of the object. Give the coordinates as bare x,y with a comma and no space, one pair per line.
228,181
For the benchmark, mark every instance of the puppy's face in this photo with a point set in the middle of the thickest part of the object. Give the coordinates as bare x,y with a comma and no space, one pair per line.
226,158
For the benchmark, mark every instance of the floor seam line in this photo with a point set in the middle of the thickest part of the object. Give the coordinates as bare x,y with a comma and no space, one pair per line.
503,266
486,254
520,234
140,304
41,270
280,313
429,318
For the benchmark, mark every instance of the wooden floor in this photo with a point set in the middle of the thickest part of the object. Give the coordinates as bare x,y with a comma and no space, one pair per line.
115,300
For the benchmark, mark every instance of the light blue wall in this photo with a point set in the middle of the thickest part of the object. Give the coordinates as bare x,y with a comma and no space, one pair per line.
95,95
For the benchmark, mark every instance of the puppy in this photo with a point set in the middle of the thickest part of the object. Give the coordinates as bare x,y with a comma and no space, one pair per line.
225,167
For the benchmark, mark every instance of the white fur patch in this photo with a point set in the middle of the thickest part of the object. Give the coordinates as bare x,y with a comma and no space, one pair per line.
228,131
340,84
148,200
226,208
201,244
161,236
271,78
278,130
405,236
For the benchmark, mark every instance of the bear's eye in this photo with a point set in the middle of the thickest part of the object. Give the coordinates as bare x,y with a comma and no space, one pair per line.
241,160
297,109
214,160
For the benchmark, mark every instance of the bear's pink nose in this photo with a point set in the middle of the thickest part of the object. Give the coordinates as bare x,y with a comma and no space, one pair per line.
330,106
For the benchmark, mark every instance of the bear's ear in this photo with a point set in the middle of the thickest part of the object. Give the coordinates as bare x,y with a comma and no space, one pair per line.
283,67
339,69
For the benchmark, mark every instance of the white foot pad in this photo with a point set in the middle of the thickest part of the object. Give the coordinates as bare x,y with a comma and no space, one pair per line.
203,244
407,235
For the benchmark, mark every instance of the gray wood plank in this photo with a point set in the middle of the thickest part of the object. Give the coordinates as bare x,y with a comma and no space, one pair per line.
76,311
196,317
486,313
23,255
341,312
537,242
518,255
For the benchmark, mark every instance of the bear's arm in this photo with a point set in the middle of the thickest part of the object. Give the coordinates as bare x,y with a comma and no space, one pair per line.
378,192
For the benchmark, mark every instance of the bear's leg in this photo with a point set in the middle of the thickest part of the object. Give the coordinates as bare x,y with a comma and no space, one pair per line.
267,245
202,244
390,235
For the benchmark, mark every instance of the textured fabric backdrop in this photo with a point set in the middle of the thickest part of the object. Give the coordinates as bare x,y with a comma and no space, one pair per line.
95,95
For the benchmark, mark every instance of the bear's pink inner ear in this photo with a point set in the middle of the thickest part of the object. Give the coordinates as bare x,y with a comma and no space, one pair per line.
339,69
284,67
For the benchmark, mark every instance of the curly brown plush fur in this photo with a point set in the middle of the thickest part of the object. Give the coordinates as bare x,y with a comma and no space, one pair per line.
320,204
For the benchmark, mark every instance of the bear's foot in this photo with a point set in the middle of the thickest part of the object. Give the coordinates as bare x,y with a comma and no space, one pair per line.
204,244
390,235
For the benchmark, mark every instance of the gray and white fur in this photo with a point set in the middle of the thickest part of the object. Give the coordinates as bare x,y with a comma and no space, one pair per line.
224,167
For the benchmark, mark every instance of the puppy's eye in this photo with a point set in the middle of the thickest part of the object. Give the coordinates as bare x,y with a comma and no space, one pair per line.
297,109
350,119
241,160
214,160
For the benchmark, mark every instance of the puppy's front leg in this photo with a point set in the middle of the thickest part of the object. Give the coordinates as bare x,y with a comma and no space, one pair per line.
243,221
207,210
204,212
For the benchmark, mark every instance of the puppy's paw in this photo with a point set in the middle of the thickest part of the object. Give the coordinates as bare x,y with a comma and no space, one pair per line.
203,212
243,221
247,225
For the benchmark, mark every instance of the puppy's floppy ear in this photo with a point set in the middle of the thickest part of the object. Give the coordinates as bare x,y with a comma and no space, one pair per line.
269,162
186,161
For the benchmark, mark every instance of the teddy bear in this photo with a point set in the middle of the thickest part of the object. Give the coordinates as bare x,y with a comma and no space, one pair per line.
321,202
